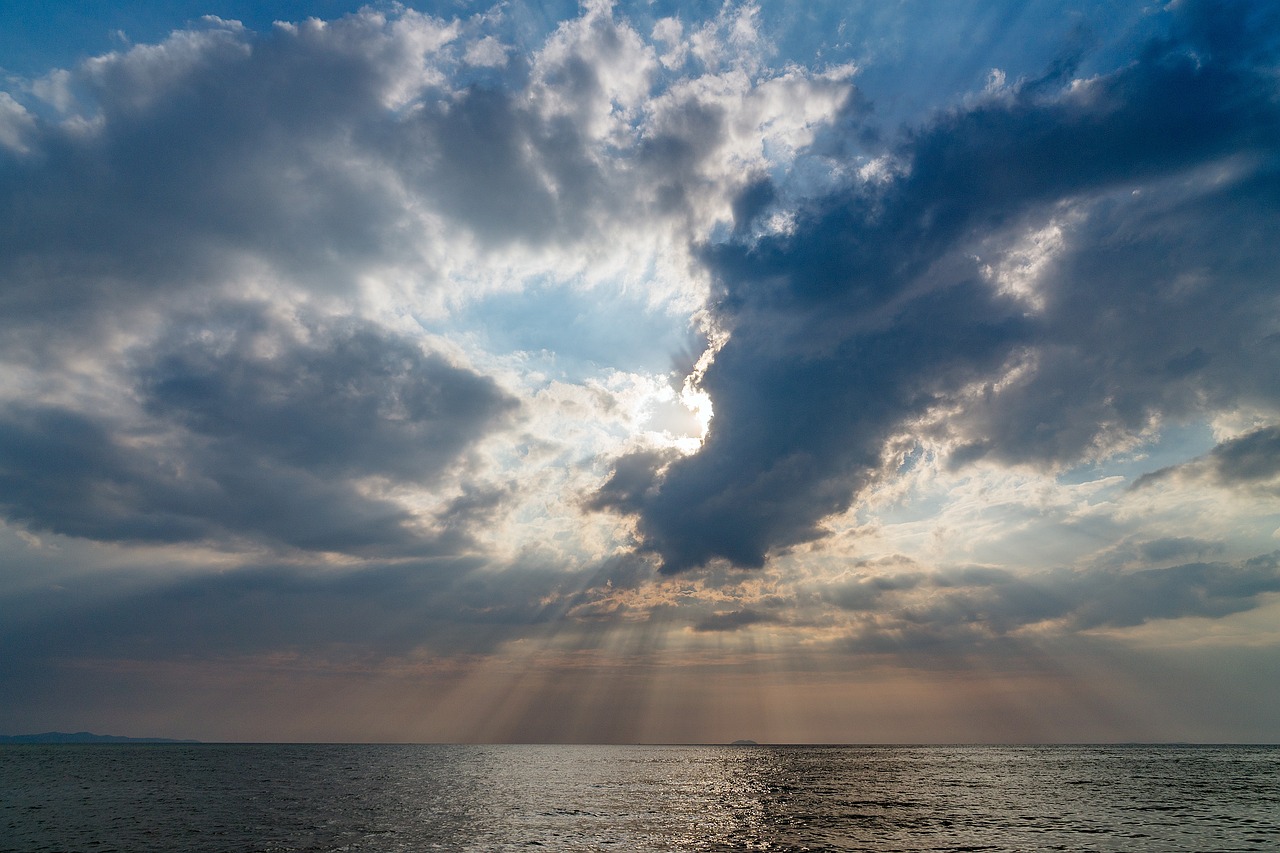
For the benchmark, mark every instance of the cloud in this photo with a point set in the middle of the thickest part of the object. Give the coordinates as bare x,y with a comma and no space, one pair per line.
1173,547
348,399
440,607
1209,590
358,162
1249,461
865,594
354,181
487,52
1248,458
633,476
957,612
882,311
202,161
15,124
733,620
246,432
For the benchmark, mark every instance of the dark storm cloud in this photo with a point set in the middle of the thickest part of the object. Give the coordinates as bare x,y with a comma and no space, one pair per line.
877,308
634,476
1159,312
262,447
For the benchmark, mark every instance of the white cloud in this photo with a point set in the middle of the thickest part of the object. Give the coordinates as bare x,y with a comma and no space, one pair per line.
15,124
136,79
669,32
596,71
488,52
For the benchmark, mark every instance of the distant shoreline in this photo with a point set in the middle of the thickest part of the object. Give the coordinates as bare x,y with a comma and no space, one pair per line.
85,737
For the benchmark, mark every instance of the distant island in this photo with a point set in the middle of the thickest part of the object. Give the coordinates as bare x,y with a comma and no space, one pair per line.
85,737
744,743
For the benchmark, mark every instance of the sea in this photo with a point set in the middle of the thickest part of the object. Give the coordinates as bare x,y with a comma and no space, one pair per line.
324,797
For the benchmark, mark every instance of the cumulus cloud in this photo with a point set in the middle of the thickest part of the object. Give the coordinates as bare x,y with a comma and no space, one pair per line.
347,172
346,400
246,433
879,314
207,160
15,123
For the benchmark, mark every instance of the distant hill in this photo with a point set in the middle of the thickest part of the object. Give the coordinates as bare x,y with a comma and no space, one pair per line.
744,743
85,737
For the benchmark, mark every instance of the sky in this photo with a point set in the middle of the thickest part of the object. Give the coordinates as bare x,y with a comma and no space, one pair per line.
842,372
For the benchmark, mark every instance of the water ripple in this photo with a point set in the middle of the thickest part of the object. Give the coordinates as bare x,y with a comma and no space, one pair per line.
323,798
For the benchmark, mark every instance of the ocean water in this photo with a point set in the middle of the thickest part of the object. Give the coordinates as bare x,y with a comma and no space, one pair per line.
221,797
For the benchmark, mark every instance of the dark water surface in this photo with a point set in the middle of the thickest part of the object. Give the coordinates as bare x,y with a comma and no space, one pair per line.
648,798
